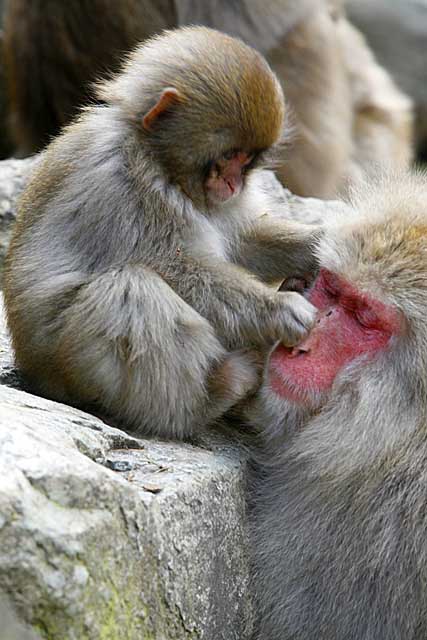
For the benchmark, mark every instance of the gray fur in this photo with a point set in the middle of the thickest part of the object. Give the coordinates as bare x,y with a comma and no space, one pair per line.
340,519
121,294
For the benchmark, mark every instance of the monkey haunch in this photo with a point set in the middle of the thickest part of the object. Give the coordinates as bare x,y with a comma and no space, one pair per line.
340,517
133,267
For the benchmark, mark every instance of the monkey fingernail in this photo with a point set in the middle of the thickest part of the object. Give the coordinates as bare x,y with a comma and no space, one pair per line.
294,284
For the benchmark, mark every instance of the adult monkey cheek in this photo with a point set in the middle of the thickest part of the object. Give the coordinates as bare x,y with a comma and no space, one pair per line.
350,325
300,373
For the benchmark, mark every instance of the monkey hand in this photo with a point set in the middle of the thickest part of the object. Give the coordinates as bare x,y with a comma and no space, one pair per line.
292,318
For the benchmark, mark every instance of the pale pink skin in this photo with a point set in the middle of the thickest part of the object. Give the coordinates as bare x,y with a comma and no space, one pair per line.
350,324
225,181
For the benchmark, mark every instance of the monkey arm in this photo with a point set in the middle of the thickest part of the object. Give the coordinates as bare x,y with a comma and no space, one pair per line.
244,311
276,249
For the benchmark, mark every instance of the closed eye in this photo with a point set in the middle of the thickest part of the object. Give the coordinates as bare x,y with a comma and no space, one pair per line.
367,318
208,168
256,161
332,286
229,154
332,293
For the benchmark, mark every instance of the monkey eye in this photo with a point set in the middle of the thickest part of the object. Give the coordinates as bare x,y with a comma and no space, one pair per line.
229,154
244,158
333,292
331,284
366,317
249,160
208,168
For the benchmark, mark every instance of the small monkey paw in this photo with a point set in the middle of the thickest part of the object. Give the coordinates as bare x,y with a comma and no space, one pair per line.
297,317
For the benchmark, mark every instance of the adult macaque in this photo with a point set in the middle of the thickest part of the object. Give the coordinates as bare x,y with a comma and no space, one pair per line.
403,53
382,115
133,266
342,119
340,514
356,116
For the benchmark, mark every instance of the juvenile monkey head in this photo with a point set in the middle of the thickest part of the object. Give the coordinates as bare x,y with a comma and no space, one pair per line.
206,105
371,293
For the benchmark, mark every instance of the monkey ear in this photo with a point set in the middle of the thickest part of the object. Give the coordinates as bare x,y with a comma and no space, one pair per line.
169,97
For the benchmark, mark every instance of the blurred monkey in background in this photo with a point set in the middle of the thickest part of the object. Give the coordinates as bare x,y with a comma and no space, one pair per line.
347,113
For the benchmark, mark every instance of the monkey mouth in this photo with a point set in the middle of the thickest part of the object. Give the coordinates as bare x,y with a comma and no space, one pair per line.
223,191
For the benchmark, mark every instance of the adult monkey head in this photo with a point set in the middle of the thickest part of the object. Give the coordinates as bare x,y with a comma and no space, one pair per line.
339,515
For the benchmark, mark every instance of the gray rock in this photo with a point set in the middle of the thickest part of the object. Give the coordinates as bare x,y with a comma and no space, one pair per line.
13,178
103,535
156,551
397,32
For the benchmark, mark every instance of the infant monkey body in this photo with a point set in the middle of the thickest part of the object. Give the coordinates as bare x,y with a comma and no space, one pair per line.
141,260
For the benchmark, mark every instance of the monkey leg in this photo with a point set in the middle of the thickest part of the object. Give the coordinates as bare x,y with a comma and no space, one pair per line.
134,350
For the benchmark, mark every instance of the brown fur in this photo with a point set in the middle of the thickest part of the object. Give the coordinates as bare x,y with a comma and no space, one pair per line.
309,62
54,50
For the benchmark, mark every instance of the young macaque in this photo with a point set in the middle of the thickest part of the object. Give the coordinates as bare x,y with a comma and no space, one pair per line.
143,245
340,515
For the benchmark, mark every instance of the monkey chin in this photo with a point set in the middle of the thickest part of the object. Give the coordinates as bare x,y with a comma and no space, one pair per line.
220,192
291,393
288,408
288,387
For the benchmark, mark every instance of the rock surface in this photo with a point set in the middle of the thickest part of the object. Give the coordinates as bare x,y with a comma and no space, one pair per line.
13,178
108,537
105,536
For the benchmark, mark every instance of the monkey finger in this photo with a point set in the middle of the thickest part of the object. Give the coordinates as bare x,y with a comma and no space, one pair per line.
298,318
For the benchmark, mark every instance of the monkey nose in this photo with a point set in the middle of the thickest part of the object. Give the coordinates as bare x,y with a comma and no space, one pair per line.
231,186
299,350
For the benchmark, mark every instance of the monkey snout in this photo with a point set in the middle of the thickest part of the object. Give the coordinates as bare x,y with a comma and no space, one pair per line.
323,315
231,186
299,350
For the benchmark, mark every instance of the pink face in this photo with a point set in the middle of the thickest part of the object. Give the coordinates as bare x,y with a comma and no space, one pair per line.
225,179
350,324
